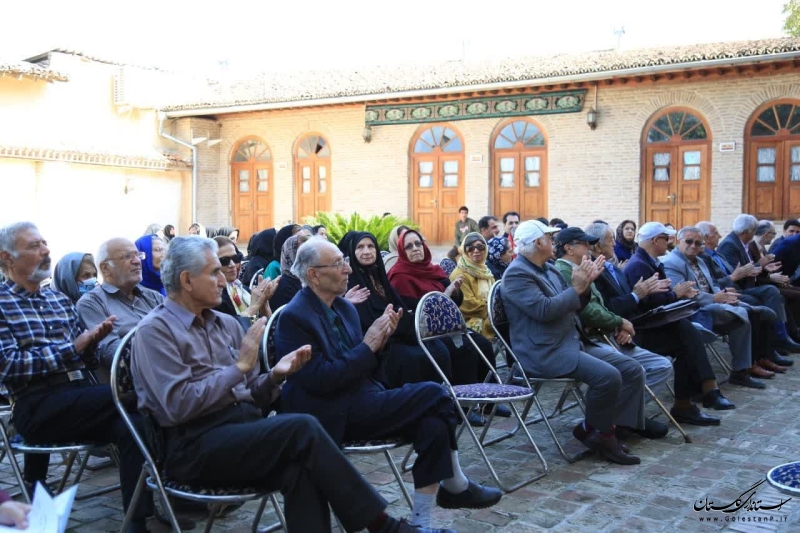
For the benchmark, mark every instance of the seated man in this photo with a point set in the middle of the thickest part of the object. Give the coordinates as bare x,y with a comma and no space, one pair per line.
678,339
683,264
120,295
489,227
338,386
548,338
196,373
790,228
43,349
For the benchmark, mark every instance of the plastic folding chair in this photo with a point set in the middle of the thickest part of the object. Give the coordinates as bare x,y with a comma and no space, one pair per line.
153,479
384,446
499,321
438,317
448,265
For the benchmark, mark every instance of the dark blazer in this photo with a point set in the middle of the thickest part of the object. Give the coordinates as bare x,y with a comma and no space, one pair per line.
722,277
641,266
333,379
734,252
617,294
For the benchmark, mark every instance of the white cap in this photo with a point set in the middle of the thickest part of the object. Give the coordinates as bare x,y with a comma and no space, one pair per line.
654,229
530,230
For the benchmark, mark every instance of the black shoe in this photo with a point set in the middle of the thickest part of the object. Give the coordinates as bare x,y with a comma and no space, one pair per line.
714,399
653,429
475,497
694,416
743,378
475,418
393,525
781,361
502,410
787,344
186,524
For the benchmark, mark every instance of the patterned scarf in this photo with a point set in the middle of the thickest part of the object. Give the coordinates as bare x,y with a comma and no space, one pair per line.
476,270
288,254
239,296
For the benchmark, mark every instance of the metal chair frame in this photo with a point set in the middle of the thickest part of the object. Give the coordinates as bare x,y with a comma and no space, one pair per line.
268,361
461,331
151,478
254,280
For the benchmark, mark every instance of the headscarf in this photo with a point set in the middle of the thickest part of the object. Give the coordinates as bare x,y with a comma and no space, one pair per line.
211,232
496,247
225,231
259,253
468,266
390,259
151,278
631,244
66,271
288,255
283,235
169,232
414,280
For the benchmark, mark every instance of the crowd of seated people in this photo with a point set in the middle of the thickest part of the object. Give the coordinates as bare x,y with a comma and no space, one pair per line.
348,354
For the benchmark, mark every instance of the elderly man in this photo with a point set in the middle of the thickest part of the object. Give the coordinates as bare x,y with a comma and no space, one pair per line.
682,265
339,386
120,295
488,227
678,339
196,373
43,350
548,337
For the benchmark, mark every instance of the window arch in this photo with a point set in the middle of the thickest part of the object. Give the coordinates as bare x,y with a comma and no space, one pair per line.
772,160
519,169
251,186
437,180
676,167
312,156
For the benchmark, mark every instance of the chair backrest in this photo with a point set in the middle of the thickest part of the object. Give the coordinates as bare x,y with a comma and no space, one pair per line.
497,312
438,316
448,265
268,352
256,277
384,253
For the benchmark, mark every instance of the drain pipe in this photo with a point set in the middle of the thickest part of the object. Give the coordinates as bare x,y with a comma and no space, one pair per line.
162,117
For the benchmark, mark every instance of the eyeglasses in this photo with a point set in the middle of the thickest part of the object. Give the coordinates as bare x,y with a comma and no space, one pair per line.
339,265
130,256
697,242
412,245
226,261
473,247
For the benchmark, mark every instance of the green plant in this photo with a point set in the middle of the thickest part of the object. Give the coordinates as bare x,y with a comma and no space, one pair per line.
337,225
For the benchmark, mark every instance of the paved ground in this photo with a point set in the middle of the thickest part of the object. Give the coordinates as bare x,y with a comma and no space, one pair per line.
592,494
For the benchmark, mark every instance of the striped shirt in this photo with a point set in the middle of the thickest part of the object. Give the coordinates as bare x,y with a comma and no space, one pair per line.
37,334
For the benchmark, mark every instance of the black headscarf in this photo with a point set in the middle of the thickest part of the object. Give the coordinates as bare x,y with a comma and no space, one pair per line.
374,278
259,252
283,235
630,245
169,232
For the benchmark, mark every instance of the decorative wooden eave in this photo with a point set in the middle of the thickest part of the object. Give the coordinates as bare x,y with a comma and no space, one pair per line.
157,161
19,70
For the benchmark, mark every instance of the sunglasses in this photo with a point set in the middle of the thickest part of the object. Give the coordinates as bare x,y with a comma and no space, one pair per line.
690,242
473,247
226,261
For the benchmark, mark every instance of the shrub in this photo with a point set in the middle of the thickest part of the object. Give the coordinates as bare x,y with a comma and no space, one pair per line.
337,225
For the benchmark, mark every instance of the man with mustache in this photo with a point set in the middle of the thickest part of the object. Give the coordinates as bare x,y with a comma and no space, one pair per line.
44,350
119,295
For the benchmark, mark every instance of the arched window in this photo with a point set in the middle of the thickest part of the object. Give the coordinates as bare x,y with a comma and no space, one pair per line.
437,180
312,175
251,184
519,169
676,167
772,184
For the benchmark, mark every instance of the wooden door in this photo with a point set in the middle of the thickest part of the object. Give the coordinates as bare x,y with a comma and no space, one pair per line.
425,197
661,185
243,200
791,177
312,176
251,186
766,177
519,169
450,196
692,181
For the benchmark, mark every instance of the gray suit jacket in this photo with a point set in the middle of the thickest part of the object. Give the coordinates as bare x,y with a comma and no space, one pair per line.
677,268
543,321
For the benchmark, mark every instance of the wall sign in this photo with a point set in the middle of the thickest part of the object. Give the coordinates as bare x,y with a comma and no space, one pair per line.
727,147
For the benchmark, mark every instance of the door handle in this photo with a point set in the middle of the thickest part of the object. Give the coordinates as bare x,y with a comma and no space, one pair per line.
435,202
672,198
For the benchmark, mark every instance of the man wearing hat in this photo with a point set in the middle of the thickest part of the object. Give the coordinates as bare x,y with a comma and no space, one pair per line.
547,335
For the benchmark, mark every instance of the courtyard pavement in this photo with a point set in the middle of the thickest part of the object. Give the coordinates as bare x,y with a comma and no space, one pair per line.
590,495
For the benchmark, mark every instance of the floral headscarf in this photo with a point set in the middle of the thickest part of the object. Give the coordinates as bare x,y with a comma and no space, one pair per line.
288,255
476,270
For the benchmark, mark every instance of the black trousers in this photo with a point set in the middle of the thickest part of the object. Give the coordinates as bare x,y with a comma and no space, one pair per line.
682,341
763,335
468,365
290,452
407,363
79,412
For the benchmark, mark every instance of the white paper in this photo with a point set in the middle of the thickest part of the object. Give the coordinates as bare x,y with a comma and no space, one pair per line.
48,515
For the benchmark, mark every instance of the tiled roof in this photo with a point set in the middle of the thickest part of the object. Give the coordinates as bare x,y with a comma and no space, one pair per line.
154,159
23,68
313,85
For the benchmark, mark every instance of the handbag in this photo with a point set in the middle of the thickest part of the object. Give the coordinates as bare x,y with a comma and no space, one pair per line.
665,314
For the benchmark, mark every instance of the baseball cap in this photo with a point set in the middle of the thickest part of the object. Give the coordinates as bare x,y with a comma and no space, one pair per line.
572,234
530,230
654,229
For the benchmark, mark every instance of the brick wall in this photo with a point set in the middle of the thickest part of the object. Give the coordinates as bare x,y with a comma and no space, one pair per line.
592,174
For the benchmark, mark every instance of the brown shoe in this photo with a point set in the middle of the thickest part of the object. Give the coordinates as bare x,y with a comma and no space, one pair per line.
771,366
606,445
758,372
580,433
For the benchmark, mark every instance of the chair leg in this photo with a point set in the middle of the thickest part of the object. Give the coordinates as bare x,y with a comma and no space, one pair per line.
404,466
69,462
726,367
686,438
137,493
278,511
259,513
213,511
546,420
399,477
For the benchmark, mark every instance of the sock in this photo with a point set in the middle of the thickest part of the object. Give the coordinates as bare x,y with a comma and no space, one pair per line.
421,515
459,482
780,331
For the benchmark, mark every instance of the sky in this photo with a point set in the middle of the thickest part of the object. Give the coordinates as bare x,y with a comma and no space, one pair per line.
279,35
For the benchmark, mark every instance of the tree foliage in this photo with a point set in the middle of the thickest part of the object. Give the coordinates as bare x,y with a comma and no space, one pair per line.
337,225
791,25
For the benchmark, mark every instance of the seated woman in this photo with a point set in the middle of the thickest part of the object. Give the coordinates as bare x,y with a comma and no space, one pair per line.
75,275
288,283
169,233
478,280
625,245
229,232
273,270
391,258
259,254
414,276
320,231
154,250
236,298
403,361
500,256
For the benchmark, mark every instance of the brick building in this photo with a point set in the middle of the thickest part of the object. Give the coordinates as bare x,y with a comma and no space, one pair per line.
670,139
